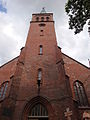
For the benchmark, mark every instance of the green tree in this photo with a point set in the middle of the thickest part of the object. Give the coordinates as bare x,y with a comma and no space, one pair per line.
79,13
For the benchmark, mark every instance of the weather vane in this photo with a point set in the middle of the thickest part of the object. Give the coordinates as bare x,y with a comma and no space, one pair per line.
43,10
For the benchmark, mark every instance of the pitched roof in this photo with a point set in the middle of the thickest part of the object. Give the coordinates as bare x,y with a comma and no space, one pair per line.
9,62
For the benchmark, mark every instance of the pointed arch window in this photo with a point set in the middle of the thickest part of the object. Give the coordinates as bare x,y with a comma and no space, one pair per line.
80,93
38,111
47,18
3,89
41,33
42,19
37,18
40,49
39,74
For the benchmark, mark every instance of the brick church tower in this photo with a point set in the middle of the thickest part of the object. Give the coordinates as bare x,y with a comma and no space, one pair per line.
39,87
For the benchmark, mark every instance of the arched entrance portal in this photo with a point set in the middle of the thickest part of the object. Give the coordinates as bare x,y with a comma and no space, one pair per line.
38,112
38,108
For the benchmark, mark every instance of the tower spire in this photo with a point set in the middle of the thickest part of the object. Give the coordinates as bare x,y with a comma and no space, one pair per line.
43,10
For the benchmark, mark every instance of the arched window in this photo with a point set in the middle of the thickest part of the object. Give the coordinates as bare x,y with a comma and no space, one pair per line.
42,18
37,18
3,90
47,18
38,111
40,49
41,33
80,93
39,74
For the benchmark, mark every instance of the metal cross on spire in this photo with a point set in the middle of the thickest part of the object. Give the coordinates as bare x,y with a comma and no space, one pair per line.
43,10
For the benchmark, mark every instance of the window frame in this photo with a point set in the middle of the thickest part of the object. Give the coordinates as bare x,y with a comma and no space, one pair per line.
47,19
39,74
3,89
37,19
41,50
42,19
38,111
41,32
80,94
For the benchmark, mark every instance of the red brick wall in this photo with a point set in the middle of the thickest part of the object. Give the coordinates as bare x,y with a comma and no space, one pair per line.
53,88
7,70
77,71
53,83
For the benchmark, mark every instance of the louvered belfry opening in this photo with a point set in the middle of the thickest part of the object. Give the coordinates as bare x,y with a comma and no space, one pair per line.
38,112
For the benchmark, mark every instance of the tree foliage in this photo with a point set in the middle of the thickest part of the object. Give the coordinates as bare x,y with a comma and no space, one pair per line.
79,13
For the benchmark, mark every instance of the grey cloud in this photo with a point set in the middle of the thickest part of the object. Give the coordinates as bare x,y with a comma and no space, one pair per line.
19,14
7,47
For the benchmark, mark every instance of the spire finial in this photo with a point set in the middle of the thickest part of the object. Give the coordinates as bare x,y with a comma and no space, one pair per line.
43,10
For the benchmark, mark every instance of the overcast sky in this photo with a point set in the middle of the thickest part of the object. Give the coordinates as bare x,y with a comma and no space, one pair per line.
15,21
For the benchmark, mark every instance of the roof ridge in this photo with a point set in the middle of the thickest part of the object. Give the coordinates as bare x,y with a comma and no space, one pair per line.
76,60
9,61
